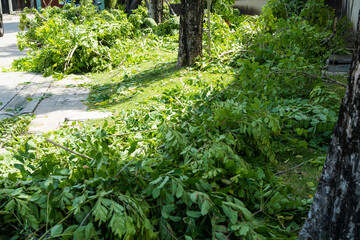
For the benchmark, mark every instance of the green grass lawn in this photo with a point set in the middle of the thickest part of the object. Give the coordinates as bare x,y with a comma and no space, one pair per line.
131,86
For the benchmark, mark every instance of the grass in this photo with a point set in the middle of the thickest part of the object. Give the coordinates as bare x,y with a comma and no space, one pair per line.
131,86
302,172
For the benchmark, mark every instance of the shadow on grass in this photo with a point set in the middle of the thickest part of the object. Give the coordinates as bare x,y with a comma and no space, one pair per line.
120,89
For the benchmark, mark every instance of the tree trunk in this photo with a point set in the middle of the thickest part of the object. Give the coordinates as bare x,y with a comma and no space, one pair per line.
191,30
156,9
131,5
335,212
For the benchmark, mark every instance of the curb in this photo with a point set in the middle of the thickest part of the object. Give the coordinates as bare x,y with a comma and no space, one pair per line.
11,18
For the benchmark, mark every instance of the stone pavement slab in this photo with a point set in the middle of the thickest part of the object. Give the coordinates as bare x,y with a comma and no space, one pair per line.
62,98
11,85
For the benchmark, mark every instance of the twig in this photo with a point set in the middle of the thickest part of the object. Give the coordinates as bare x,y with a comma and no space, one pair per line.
171,10
260,210
287,170
169,231
68,59
227,237
226,53
47,4
83,221
101,55
295,230
179,101
121,63
67,149
324,41
325,78
60,222
125,134
117,68
129,163
233,84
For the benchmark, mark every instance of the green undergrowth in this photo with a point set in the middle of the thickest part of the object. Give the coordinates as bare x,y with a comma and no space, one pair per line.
80,40
228,149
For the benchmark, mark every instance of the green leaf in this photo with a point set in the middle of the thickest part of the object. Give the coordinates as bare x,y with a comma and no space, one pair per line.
179,191
173,187
194,196
99,211
32,220
230,213
164,182
10,205
244,230
117,208
156,181
175,218
133,147
205,207
63,171
193,214
117,224
56,230
169,208
90,231
156,193
14,192
69,231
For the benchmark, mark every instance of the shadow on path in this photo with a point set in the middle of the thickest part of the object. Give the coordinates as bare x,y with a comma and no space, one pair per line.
11,27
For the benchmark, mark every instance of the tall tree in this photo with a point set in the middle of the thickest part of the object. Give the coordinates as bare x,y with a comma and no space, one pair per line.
335,213
156,9
191,30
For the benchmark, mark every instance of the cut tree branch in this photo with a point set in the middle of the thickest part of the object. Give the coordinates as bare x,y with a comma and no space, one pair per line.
288,170
117,174
324,78
125,134
67,149
68,59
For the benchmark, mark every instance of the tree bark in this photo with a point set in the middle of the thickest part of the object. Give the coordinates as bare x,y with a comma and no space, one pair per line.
191,30
156,10
335,212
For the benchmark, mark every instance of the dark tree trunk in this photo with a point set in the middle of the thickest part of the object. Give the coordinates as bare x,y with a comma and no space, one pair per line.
132,4
335,213
156,9
191,30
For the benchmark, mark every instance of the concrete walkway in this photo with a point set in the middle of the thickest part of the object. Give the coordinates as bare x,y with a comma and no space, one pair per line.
52,102
8,48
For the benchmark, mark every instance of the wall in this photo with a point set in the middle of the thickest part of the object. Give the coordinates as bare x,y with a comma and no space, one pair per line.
351,8
251,7
337,5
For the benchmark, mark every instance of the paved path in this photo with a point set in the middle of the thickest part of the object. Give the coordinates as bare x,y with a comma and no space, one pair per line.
52,102
8,48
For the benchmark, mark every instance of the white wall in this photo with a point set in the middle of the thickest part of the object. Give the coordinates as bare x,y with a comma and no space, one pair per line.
352,8
254,6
